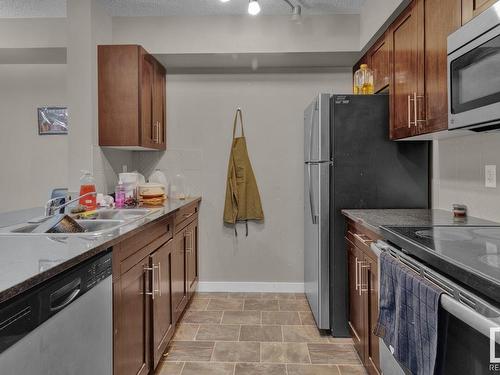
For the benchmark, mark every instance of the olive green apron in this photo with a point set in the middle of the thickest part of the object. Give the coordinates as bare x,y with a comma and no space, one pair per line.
242,194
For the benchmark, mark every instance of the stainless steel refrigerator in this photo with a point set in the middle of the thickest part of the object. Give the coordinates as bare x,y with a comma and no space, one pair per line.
349,162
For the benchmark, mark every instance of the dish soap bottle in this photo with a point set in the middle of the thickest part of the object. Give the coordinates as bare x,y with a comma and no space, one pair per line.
87,185
363,81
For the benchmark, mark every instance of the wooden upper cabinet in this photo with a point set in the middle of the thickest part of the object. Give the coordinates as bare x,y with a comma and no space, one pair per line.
407,75
472,8
442,17
132,105
378,59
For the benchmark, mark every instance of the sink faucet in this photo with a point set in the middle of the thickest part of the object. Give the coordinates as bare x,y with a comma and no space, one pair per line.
49,206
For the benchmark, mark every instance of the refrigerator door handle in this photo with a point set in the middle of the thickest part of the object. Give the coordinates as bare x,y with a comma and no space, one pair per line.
311,133
314,216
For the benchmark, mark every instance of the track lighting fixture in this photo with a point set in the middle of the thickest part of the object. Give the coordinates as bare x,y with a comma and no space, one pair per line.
253,7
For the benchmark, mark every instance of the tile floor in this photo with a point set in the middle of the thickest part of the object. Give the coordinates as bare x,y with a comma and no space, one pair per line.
255,334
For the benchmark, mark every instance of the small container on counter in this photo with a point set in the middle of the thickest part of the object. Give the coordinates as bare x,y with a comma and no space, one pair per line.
120,195
459,211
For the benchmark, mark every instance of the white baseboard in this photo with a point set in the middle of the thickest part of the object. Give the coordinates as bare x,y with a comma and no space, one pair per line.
263,287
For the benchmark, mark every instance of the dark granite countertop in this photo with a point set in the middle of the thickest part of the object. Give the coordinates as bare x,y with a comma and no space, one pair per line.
373,219
26,261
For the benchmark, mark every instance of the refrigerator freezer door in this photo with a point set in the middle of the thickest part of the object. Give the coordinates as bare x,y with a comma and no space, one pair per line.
316,240
317,130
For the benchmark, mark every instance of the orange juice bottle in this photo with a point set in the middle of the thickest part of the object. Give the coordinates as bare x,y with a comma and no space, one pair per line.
87,185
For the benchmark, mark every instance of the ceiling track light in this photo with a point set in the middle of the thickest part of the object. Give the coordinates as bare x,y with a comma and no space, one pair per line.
253,7
223,1
296,10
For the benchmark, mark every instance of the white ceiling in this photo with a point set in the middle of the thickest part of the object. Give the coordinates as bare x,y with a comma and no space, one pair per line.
57,8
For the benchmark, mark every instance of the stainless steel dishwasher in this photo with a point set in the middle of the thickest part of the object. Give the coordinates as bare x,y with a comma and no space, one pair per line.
61,327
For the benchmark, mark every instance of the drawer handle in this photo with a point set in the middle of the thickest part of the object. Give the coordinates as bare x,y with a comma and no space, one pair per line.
366,242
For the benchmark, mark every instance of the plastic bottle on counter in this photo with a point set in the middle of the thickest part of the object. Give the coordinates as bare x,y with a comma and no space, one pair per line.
120,193
87,185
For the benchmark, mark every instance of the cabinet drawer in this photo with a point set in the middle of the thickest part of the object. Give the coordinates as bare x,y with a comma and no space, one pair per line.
185,215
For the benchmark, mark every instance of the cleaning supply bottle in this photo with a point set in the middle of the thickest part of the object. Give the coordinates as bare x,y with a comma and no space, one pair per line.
87,185
363,81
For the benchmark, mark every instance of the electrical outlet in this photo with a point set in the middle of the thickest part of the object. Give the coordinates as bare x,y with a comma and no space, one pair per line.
490,176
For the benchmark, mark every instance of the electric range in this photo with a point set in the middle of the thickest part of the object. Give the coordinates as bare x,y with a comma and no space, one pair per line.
470,255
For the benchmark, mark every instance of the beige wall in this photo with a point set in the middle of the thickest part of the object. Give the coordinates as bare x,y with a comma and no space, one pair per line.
30,165
374,14
459,174
238,34
200,115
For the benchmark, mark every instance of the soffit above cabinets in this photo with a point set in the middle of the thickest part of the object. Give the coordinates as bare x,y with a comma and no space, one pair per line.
57,8
206,63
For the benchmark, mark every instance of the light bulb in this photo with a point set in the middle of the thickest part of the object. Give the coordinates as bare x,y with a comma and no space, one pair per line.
223,1
253,7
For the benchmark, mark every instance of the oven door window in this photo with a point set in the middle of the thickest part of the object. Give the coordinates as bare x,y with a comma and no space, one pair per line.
475,78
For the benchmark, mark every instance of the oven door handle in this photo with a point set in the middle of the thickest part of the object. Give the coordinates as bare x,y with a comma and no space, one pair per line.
470,317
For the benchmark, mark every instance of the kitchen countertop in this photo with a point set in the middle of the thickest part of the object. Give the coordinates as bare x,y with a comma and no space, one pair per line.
373,219
26,261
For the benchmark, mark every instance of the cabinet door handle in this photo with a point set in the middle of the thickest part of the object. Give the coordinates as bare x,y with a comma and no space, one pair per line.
159,278
356,278
409,111
417,120
365,242
366,266
415,108
152,293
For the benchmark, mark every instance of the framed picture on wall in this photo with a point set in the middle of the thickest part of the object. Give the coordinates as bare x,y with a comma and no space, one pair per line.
52,120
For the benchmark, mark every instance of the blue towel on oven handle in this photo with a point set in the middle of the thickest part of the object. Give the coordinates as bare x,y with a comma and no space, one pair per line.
408,316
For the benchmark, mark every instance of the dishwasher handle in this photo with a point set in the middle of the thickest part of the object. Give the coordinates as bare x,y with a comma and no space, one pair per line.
65,295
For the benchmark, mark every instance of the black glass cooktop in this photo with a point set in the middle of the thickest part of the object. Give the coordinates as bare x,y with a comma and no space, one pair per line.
466,253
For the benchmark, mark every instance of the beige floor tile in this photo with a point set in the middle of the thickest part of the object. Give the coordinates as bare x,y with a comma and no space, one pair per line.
312,370
294,305
243,295
333,354
236,352
211,295
286,296
262,304
352,370
190,351
307,318
241,317
199,304
259,369
276,352
340,340
208,368
281,317
170,368
221,304
185,332
303,334
261,333
207,317
218,333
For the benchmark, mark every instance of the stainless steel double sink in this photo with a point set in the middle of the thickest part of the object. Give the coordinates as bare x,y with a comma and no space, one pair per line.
105,221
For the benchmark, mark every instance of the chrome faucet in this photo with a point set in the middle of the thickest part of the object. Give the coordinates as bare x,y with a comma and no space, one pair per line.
49,206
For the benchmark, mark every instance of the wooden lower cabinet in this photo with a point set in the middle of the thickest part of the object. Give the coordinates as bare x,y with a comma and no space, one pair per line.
192,257
132,321
356,305
179,290
155,273
363,295
163,328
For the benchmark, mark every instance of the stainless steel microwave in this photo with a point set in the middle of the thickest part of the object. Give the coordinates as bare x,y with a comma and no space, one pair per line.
474,73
